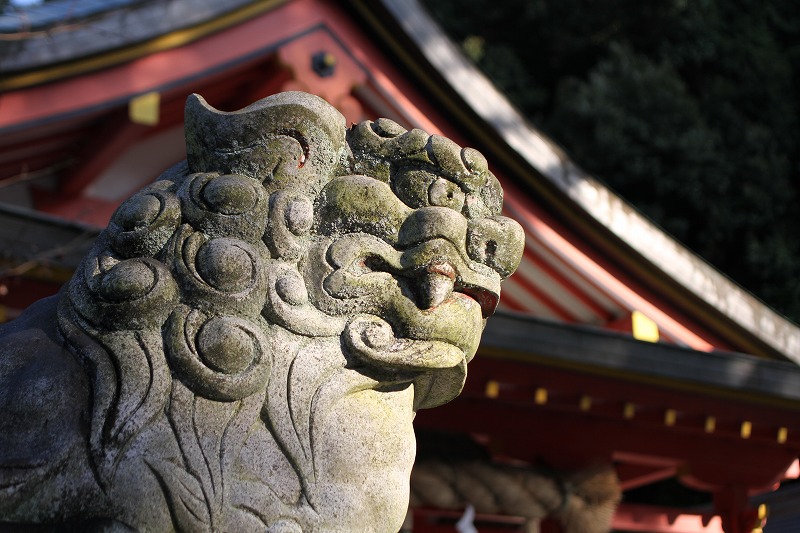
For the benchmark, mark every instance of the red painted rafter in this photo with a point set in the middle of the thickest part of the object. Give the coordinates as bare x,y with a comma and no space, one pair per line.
563,280
111,138
633,475
619,287
555,427
517,382
557,309
573,440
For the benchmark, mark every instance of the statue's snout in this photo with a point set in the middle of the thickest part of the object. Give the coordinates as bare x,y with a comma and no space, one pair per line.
496,242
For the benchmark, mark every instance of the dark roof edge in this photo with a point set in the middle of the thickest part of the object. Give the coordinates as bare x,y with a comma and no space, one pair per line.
40,218
41,246
117,25
594,349
602,205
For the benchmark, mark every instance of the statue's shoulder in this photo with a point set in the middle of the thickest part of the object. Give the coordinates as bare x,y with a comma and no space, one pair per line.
32,337
39,379
43,398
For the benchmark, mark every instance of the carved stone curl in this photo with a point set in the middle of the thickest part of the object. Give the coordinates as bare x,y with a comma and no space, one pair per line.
246,344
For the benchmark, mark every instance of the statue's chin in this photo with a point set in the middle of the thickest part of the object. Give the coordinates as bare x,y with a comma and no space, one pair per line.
417,340
430,348
364,452
457,322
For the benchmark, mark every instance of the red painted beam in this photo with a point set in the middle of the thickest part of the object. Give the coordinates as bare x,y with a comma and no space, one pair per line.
557,309
571,440
518,381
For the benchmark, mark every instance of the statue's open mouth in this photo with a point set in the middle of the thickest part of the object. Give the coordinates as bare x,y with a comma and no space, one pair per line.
437,282
436,368
431,290
422,309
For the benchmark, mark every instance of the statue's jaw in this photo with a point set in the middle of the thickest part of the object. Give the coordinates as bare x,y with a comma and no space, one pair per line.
430,348
406,314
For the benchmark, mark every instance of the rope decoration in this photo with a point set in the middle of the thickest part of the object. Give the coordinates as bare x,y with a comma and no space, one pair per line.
582,502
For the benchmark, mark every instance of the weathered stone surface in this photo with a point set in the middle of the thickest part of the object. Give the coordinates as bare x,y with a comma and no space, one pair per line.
248,341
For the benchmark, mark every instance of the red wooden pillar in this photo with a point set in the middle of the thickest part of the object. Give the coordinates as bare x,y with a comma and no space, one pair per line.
731,503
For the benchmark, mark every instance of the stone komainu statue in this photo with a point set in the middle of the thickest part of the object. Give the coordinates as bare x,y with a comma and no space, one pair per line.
246,345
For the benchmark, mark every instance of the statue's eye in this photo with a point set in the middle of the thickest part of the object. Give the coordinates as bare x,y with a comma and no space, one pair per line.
444,193
375,263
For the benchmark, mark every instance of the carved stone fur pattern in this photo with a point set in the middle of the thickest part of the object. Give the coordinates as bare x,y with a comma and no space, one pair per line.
247,343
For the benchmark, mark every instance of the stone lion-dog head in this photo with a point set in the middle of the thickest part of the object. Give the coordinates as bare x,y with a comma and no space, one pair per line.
257,328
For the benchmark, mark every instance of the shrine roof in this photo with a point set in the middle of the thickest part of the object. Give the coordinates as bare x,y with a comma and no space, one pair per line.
588,206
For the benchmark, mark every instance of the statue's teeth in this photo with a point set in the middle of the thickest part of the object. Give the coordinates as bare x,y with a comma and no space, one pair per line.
435,288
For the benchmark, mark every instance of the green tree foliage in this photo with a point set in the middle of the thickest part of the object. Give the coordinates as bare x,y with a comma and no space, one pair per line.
689,108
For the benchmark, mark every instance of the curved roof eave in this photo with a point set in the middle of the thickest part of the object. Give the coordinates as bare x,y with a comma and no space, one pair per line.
733,305
722,374
118,32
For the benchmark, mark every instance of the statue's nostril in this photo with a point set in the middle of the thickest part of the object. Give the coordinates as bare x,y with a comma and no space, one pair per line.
491,248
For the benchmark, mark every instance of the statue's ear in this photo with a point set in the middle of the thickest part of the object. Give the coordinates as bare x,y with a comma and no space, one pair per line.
293,132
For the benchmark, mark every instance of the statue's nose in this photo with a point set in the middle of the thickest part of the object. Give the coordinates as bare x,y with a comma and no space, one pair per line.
429,223
497,242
